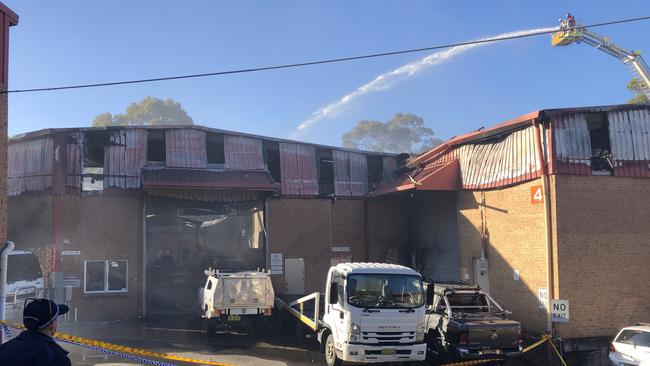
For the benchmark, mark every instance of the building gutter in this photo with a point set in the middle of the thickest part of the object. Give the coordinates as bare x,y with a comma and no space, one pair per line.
550,277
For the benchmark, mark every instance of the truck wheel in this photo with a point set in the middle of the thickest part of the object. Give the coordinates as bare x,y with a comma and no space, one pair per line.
330,352
210,327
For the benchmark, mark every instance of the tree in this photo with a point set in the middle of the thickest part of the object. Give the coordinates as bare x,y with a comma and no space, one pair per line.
149,111
637,87
403,133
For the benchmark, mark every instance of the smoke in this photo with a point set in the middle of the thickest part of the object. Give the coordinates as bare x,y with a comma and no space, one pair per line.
388,79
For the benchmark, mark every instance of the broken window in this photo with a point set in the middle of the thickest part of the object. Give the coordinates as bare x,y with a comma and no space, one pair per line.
93,160
272,159
325,171
94,149
215,148
375,171
156,146
601,152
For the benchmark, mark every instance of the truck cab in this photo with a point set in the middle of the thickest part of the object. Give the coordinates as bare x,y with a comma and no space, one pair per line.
374,312
24,280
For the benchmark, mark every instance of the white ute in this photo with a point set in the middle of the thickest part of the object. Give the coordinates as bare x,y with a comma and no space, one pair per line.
240,298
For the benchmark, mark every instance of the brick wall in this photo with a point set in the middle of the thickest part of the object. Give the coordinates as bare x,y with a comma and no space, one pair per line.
516,241
604,252
300,228
104,227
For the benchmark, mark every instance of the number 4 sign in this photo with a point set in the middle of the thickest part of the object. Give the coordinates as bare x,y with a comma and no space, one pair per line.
536,194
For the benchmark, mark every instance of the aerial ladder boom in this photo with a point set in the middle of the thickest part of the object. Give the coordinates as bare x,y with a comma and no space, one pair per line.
570,33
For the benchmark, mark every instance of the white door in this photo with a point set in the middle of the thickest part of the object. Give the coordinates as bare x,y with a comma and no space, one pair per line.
294,275
481,274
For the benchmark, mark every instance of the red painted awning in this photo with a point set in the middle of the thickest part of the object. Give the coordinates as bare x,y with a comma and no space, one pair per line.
444,177
208,179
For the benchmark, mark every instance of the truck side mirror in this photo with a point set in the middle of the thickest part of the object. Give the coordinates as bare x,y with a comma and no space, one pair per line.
334,293
430,289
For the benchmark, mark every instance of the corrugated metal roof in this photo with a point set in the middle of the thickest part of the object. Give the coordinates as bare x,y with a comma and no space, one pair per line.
299,172
358,174
442,177
200,178
30,166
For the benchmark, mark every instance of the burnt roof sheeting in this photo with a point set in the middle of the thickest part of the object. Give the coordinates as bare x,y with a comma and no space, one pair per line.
220,195
30,166
298,167
186,148
243,152
572,144
358,174
389,167
124,158
196,178
509,160
341,173
629,134
73,165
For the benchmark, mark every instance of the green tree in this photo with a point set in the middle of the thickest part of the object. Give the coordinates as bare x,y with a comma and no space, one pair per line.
149,111
403,133
637,87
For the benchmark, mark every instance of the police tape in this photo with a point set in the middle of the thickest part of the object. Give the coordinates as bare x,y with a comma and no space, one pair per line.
117,350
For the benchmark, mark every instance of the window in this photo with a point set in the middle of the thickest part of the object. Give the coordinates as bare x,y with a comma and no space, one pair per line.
375,171
634,337
272,159
325,171
94,149
106,276
214,148
156,145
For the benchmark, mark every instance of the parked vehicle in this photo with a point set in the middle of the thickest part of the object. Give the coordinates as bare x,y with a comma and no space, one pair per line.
374,312
466,323
24,280
631,346
243,299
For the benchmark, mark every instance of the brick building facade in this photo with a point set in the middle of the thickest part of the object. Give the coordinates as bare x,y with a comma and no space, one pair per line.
553,202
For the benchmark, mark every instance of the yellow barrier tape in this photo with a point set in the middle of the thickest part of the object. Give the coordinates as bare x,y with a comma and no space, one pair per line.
558,354
544,339
122,349
478,362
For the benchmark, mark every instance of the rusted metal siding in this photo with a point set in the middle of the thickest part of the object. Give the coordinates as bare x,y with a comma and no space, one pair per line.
186,148
243,152
73,162
298,169
30,166
629,135
358,174
572,144
124,157
342,185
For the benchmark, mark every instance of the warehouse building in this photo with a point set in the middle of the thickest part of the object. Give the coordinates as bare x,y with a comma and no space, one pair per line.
549,205
129,217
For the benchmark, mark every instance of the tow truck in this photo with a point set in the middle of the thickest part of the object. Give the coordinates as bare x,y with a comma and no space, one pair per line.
570,32
374,312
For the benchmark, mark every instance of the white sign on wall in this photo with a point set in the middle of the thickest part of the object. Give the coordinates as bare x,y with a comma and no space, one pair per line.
276,263
542,298
560,311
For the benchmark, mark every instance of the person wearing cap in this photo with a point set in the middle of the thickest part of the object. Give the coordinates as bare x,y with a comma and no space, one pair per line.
35,346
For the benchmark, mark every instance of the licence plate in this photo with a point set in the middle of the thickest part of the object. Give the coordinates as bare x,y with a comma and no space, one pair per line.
234,318
388,352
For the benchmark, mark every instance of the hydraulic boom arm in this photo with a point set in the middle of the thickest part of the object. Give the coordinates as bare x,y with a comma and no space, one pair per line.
570,33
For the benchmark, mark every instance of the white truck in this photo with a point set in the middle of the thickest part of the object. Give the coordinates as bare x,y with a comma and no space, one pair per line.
374,312
244,299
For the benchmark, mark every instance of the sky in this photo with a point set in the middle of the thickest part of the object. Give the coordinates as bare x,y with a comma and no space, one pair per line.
455,91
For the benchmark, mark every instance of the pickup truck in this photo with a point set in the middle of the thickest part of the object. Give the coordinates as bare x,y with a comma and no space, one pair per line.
467,324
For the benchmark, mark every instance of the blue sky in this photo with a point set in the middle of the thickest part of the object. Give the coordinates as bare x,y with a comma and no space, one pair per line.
71,42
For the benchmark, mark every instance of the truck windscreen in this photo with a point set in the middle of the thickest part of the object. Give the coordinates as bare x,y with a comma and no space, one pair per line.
389,291
23,267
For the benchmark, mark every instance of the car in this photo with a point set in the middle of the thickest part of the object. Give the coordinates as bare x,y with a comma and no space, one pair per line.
631,346
24,280
465,323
